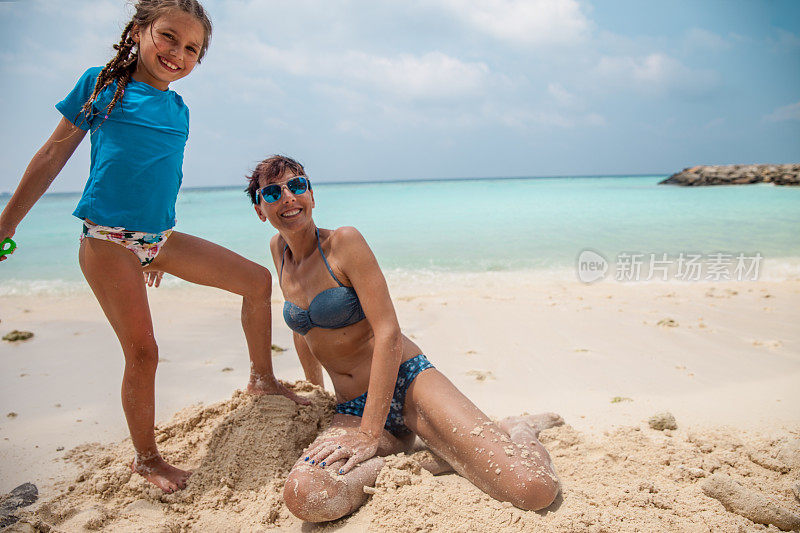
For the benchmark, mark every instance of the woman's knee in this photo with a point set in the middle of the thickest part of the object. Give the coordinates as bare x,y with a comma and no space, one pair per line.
534,493
313,495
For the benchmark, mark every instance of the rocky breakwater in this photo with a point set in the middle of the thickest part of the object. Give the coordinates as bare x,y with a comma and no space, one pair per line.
735,175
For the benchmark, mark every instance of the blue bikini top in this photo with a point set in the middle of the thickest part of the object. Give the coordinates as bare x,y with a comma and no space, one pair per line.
333,308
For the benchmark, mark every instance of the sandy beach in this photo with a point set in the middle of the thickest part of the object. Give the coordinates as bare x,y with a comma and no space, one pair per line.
723,358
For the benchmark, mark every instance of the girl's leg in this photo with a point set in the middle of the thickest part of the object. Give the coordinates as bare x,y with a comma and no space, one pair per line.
115,276
318,494
205,263
514,468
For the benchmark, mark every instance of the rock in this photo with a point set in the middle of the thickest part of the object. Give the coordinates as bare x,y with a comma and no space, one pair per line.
662,421
750,504
735,175
16,335
22,496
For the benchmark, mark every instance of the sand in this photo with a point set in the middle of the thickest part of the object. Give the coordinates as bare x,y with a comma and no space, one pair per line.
727,370
629,479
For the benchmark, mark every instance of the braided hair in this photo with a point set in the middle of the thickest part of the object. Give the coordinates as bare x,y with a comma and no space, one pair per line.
123,65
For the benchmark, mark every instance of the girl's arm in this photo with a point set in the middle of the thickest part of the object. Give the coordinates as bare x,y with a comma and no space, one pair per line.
311,365
41,172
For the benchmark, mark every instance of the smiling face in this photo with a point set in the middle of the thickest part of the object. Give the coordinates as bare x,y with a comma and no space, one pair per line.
290,211
169,48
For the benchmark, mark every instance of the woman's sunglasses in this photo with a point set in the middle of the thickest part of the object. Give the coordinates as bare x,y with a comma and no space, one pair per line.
272,193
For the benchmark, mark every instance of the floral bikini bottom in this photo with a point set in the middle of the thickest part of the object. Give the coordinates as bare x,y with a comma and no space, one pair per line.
394,421
144,245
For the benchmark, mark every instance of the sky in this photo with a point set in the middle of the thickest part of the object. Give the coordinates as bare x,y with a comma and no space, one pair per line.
424,89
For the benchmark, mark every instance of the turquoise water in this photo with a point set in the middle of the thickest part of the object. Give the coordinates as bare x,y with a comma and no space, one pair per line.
462,225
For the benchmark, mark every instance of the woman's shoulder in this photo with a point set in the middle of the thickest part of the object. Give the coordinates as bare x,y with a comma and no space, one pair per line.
347,237
349,247
276,243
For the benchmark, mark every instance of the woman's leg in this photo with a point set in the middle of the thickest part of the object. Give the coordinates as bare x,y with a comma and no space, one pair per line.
115,276
318,494
514,468
205,263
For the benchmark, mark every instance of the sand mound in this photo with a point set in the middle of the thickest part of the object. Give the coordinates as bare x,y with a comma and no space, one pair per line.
240,452
630,479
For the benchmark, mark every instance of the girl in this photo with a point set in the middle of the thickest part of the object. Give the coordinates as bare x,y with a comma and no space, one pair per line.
138,130
338,305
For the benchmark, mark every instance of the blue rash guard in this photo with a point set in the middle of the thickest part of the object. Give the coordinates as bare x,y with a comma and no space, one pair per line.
137,153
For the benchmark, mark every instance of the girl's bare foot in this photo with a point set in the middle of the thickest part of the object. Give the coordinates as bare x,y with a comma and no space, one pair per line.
258,386
160,473
530,423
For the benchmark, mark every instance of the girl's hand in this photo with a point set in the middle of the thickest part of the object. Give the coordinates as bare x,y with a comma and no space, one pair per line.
6,233
354,447
153,278
259,385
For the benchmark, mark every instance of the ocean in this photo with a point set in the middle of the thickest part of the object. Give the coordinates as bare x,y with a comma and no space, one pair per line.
537,225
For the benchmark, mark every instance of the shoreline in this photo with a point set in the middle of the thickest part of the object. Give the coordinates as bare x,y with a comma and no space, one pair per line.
773,269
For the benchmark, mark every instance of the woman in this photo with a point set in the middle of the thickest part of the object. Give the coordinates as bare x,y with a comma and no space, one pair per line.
338,305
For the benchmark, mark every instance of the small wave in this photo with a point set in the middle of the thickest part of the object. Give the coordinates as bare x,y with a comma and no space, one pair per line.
62,287
56,287
422,279
772,270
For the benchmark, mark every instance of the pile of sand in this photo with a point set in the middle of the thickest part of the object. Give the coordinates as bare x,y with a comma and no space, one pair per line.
241,450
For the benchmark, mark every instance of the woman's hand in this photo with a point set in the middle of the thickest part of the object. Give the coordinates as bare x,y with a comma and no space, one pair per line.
153,278
6,232
354,447
259,385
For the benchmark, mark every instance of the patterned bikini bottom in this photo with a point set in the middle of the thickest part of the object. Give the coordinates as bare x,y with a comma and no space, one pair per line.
405,375
144,245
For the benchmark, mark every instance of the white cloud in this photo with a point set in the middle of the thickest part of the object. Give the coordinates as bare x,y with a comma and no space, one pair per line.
787,40
429,76
527,118
715,123
353,127
62,59
787,112
701,40
655,73
562,97
432,75
594,119
526,22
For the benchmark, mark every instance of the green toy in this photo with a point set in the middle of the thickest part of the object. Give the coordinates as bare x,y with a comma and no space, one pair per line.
7,246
